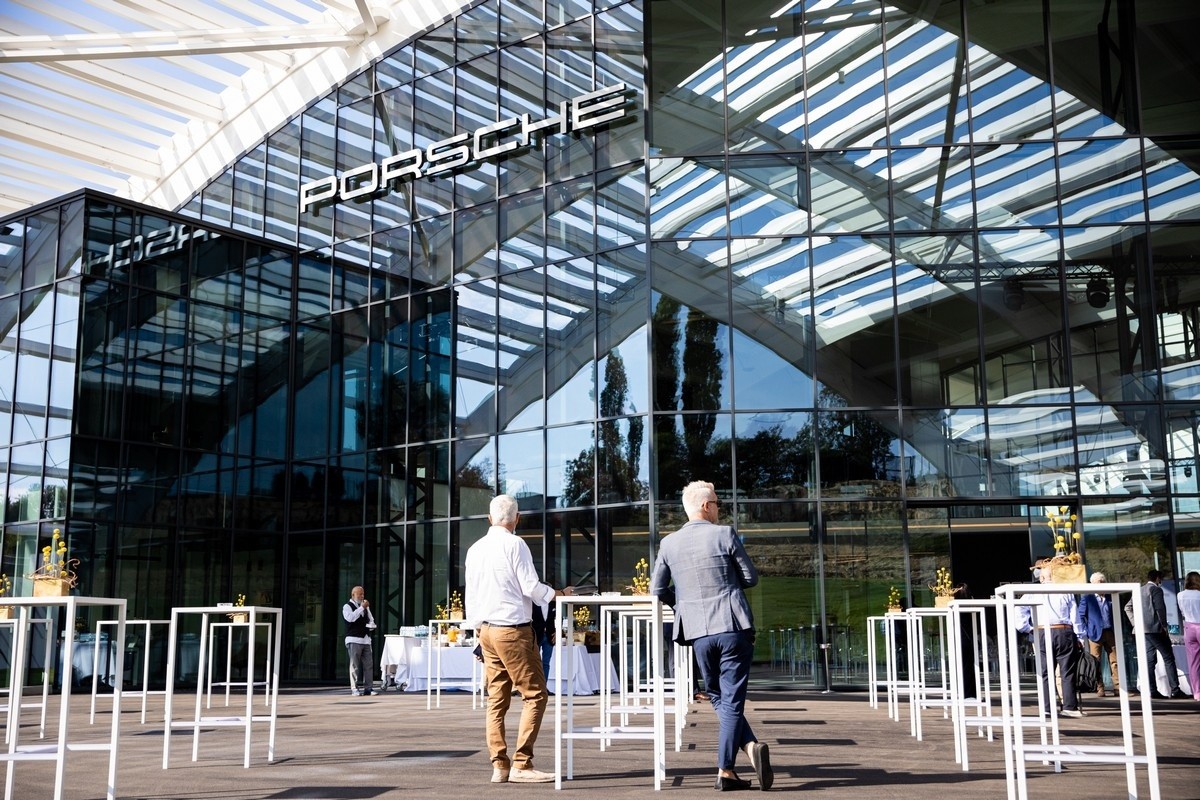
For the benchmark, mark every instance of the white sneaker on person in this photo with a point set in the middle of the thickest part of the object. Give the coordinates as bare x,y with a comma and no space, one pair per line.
530,776
1072,712
499,775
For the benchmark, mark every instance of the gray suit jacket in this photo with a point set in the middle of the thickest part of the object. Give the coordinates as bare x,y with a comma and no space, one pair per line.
709,569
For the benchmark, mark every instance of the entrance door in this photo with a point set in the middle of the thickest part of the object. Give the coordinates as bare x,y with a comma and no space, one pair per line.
985,558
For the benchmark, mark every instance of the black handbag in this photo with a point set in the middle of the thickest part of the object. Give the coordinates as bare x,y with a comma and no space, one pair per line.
1087,670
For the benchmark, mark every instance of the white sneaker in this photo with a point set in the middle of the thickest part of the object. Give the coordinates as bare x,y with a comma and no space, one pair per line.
1071,712
499,775
530,776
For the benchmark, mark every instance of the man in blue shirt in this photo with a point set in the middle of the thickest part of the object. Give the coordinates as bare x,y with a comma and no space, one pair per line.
1095,612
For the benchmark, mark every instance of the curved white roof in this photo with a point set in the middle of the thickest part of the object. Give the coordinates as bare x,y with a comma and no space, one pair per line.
150,99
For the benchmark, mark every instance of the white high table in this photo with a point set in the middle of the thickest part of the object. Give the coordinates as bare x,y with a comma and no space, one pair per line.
144,692
1056,751
565,730
57,751
245,721
48,641
251,632
465,666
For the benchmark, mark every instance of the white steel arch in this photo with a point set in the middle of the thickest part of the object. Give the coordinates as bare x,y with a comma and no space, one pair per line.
150,99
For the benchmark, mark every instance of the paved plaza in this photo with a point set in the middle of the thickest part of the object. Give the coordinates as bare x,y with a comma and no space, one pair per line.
331,745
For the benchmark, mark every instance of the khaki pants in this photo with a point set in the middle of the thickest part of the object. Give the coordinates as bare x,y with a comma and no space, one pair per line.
1108,644
511,660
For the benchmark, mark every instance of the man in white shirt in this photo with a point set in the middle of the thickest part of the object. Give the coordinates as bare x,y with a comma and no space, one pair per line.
1058,614
502,586
360,624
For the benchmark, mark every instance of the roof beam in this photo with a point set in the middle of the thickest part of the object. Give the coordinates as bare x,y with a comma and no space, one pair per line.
150,44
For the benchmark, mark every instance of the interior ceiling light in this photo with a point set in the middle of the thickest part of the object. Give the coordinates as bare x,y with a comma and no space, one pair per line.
1014,295
1097,292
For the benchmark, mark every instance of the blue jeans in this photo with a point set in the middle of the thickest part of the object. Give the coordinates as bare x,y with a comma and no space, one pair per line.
724,660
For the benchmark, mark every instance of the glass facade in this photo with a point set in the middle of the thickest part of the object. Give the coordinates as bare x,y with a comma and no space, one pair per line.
900,279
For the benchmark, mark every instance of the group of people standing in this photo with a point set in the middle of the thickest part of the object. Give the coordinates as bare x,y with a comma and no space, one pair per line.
1090,619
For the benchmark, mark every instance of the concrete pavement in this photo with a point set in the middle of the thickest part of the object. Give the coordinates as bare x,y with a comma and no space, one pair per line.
331,746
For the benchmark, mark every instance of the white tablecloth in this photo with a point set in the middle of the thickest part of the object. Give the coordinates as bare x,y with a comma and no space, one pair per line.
1160,672
395,656
456,665
587,671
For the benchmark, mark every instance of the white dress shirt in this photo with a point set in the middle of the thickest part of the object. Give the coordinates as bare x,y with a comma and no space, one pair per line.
502,584
1189,605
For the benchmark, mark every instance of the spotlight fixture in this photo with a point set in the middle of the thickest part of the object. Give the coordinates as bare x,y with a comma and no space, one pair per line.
1014,295
1097,292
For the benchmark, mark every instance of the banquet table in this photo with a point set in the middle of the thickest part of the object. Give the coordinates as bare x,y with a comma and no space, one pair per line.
1160,672
587,671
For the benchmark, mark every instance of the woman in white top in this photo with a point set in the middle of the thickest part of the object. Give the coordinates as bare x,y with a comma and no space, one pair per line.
1189,607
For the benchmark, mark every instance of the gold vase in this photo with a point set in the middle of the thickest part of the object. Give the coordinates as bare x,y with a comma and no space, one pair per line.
51,587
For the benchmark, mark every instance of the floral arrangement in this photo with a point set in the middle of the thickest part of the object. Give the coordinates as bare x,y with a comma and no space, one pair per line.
5,584
641,578
583,617
942,586
454,606
55,564
241,600
1066,538
893,598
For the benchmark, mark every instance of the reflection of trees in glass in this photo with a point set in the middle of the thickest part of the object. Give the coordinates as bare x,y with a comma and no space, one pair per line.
852,446
679,456
617,460
769,460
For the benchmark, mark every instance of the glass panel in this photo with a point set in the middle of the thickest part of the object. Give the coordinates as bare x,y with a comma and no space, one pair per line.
568,75
570,342
522,469
524,305
768,195
684,57
1171,179
621,309
522,231
687,198
850,191
931,188
945,454
787,601
570,224
774,455
522,91
41,248
1016,185
853,313
926,79
691,338
317,143
1183,443
248,187
283,182
938,320
432,337
1010,98
475,359
619,58
1033,448
692,447
477,31
570,466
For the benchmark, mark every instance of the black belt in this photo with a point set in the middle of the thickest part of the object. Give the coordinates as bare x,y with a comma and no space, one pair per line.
502,625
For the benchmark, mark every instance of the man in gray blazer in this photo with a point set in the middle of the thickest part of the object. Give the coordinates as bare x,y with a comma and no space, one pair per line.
702,571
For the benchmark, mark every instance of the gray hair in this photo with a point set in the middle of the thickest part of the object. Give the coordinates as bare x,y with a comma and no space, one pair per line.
695,495
1098,577
503,510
